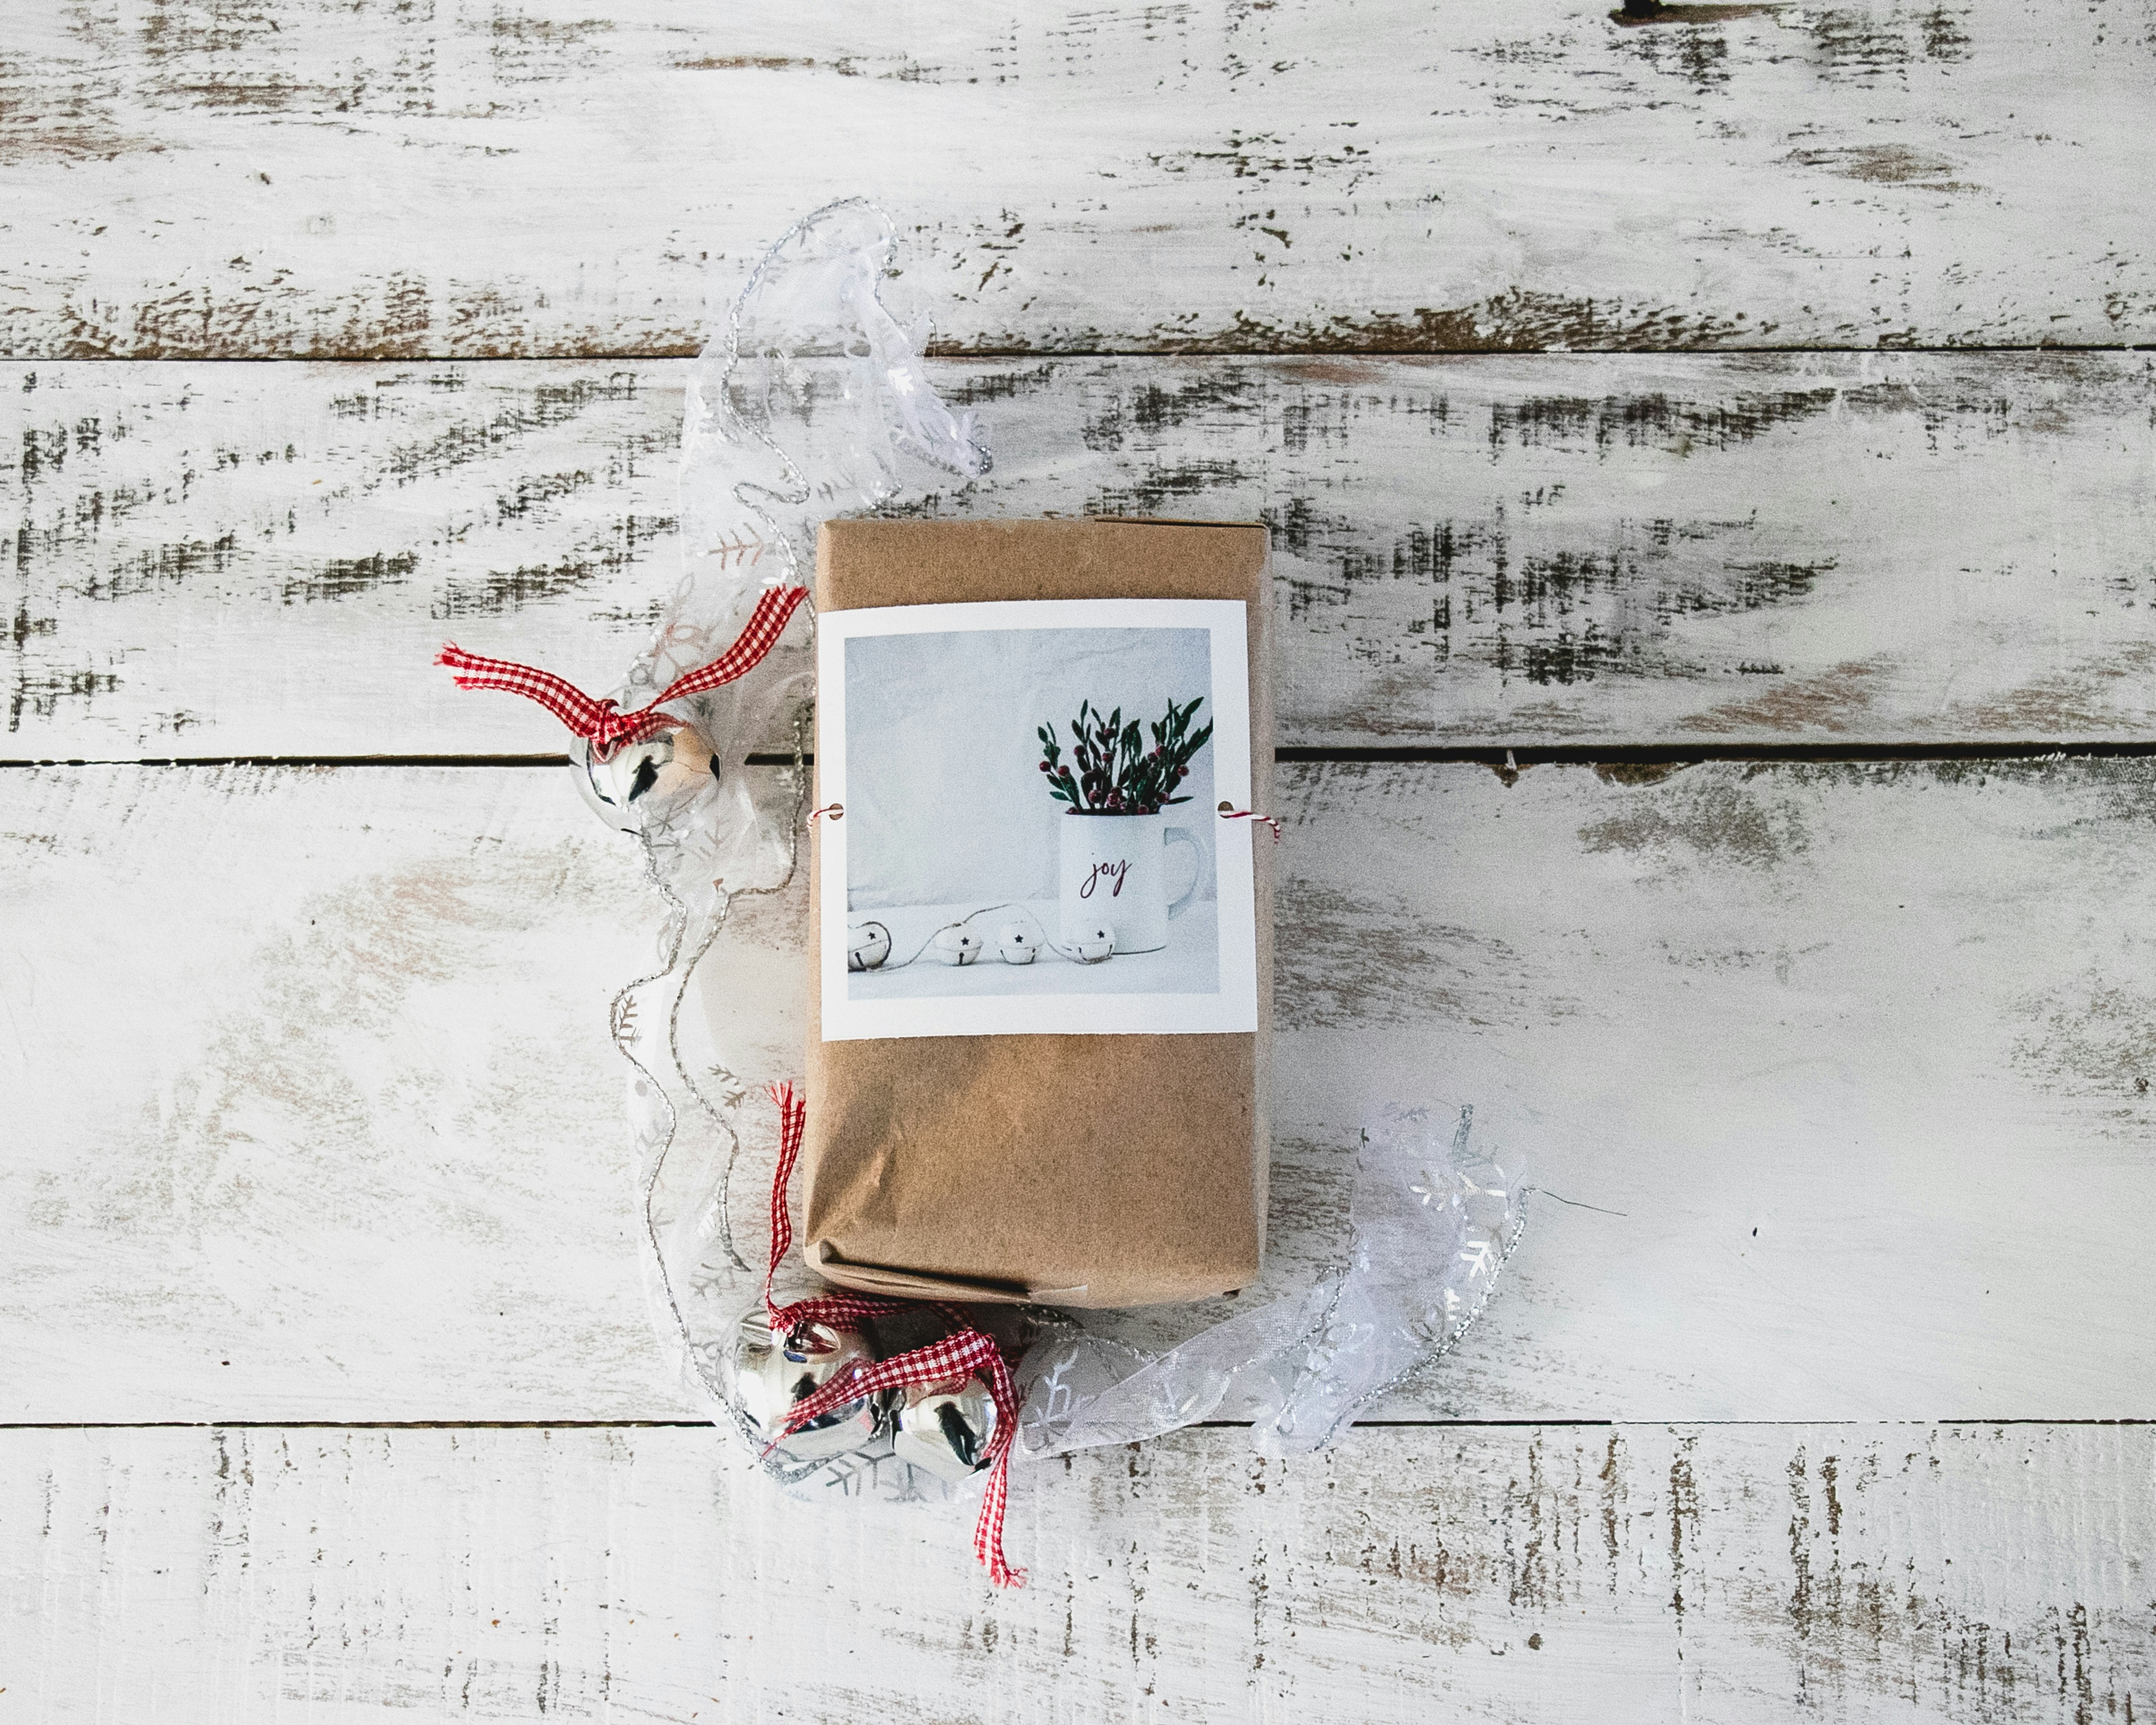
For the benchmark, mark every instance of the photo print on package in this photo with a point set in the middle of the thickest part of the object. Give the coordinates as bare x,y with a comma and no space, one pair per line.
1031,840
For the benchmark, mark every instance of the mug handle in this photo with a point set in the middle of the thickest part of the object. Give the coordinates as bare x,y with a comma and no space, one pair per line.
1181,835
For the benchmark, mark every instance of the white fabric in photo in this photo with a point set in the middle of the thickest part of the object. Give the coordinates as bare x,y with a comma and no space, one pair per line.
945,799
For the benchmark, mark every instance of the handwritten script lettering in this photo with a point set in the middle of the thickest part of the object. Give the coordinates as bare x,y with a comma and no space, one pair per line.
1115,871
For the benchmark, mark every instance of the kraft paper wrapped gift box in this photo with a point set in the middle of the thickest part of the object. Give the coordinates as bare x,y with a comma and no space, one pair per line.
1096,1170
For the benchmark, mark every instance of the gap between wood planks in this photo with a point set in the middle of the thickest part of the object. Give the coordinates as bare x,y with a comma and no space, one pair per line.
1388,1424
1499,757
1199,351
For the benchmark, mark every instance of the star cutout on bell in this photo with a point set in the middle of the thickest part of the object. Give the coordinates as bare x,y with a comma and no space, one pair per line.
867,946
956,946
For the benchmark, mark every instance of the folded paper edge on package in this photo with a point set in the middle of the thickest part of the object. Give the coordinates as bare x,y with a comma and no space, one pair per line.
1085,1171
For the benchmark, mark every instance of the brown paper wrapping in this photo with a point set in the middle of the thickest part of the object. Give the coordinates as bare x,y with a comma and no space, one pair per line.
1117,1170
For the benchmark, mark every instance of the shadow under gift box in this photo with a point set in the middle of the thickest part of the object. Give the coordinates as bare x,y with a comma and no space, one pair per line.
1087,1170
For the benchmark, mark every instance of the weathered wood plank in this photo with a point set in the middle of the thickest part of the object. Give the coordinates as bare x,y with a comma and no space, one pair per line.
302,178
307,1072
1978,1574
244,560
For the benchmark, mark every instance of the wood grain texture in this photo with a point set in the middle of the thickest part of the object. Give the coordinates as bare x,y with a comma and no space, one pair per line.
1695,551
1747,1575
458,178
308,1073
266,1106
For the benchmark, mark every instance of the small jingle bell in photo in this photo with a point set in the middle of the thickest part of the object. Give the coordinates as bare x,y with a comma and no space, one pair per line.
616,788
867,946
1015,941
956,946
1093,942
774,1369
946,1429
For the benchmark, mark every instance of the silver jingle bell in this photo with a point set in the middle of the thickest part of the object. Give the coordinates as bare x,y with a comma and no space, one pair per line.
956,946
774,1369
947,1429
867,946
616,788
1014,941
1092,942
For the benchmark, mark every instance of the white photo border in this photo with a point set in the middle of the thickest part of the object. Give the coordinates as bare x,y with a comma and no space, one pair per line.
1234,1007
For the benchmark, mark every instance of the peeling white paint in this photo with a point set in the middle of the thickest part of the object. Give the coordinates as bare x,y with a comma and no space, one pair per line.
262,560
1730,1573
319,1083
1267,178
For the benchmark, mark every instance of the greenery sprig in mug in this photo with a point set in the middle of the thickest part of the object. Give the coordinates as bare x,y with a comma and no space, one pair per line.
1111,771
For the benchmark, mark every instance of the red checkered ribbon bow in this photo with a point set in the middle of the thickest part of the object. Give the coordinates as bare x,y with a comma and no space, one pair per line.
952,1361
965,1353
606,726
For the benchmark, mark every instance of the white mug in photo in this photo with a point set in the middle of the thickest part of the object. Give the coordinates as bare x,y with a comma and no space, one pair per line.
1115,871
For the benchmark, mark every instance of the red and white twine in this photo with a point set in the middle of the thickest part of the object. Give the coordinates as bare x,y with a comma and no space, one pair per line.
601,721
966,1353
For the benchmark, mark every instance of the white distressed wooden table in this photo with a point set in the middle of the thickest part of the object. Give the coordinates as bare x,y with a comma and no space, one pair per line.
1735,415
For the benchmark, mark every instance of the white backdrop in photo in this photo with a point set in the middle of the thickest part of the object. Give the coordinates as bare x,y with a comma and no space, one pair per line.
945,799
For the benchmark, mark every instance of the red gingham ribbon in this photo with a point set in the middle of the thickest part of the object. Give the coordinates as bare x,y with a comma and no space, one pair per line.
606,726
841,1311
965,1353
955,1359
